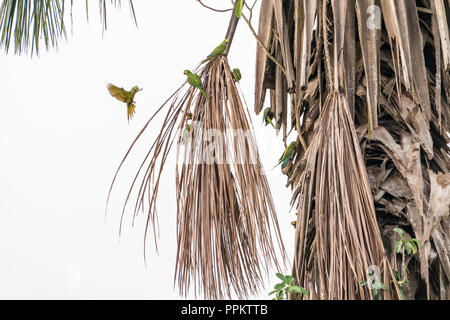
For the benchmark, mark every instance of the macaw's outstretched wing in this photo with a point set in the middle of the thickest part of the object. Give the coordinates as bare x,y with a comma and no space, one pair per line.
118,93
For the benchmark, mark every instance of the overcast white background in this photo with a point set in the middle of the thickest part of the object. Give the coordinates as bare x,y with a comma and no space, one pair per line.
62,137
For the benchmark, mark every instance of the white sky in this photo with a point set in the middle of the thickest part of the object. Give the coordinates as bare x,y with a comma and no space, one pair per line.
62,137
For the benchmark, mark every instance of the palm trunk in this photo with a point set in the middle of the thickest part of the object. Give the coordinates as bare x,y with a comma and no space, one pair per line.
388,62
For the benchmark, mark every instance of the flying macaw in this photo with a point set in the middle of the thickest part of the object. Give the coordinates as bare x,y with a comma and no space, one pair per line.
195,81
125,96
217,51
267,117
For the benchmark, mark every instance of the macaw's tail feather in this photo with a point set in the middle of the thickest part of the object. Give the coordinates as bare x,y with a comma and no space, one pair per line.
204,93
208,58
285,163
131,111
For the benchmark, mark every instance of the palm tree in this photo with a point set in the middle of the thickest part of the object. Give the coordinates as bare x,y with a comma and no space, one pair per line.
26,24
224,211
366,85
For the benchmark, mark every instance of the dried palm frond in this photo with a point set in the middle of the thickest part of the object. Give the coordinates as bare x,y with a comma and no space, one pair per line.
226,223
225,209
347,243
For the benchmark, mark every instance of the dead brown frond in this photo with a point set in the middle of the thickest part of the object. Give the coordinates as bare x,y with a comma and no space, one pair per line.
347,243
225,209
226,224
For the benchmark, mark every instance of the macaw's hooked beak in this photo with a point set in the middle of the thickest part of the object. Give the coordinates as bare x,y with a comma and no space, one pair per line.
140,89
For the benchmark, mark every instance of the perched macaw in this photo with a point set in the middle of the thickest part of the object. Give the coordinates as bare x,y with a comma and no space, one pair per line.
217,51
287,155
195,81
125,96
186,134
237,74
267,117
294,223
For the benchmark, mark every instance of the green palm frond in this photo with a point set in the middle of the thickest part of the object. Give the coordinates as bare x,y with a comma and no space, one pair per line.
103,5
25,24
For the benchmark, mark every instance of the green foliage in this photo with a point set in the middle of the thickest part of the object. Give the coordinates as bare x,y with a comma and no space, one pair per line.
27,23
401,283
375,284
405,248
286,286
410,246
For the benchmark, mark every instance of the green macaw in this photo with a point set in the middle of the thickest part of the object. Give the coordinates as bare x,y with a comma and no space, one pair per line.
217,51
125,96
186,134
195,81
237,74
267,117
287,155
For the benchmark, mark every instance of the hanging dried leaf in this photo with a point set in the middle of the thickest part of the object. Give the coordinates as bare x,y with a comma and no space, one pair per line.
226,223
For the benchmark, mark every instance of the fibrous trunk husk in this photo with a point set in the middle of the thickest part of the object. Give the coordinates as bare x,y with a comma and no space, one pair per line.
390,61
